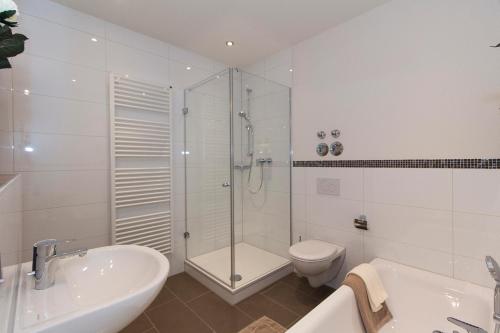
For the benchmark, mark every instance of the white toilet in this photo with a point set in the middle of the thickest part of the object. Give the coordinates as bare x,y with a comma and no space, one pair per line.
318,261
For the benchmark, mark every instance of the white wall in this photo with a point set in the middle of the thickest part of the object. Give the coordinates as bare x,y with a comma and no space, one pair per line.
11,219
64,118
441,220
407,80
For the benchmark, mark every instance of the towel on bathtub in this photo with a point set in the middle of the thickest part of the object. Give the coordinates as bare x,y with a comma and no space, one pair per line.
372,321
376,291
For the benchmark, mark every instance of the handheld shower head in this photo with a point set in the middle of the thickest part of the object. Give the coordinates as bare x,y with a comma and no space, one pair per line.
494,269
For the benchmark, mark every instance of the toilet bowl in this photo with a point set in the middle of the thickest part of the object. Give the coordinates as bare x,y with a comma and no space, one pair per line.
318,261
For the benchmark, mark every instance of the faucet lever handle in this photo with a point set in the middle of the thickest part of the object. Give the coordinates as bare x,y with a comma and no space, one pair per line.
466,326
52,242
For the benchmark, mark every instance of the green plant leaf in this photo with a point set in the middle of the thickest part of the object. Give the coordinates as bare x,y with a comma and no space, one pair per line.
11,47
6,14
19,37
5,32
4,63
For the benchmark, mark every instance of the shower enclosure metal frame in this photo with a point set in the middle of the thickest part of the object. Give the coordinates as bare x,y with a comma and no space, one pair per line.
230,72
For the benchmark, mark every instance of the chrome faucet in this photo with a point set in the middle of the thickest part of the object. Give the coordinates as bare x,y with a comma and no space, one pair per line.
44,258
494,270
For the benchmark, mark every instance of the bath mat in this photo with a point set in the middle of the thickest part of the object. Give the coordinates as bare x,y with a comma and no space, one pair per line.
264,325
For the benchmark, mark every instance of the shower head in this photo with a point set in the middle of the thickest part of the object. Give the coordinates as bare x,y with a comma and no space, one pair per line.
493,267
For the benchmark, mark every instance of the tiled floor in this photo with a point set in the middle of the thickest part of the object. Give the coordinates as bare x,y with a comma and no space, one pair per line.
186,306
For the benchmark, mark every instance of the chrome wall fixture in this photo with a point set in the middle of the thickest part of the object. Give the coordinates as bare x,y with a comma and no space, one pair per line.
336,148
322,149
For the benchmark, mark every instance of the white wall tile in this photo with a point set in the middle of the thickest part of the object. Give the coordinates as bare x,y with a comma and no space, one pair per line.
428,188
476,236
473,270
58,42
54,78
192,59
430,260
50,189
334,213
281,75
299,210
137,64
6,110
52,115
6,152
54,12
10,234
59,152
11,221
477,191
74,222
118,34
299,180
431,229
10,194
182,78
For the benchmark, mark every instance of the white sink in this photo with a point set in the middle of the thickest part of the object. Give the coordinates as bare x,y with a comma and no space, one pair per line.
100,293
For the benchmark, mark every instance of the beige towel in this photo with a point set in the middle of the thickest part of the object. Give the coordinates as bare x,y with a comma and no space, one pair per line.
372,321
376,291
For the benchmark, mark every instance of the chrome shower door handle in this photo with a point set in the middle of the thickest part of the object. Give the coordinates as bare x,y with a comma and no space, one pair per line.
226,184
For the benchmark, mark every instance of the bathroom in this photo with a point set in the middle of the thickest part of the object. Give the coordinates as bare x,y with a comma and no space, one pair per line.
229,166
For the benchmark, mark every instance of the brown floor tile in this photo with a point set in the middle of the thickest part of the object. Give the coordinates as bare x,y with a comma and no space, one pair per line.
221,316
298,283
322,292
140,325
163,297
292,299
301,284
258,305
176,317
185,287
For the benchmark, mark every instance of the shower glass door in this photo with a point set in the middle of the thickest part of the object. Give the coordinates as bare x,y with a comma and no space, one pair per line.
207,156
237,167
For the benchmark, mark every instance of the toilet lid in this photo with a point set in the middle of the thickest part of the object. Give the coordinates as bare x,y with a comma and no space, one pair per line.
313,250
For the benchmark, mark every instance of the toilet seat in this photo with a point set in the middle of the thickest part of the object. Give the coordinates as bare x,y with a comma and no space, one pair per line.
314,251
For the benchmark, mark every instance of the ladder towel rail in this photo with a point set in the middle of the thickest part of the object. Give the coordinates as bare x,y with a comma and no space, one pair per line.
141,184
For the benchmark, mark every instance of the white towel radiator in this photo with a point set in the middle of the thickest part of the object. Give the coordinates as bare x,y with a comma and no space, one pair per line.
141,163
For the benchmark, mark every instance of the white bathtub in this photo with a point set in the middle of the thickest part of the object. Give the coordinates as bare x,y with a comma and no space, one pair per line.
420,302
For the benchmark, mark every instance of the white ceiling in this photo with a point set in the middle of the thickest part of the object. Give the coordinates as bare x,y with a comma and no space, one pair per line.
258,27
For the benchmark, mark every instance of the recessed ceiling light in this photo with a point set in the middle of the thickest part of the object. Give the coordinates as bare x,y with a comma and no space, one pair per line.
188,68
73,80
94,39
290,70
229,43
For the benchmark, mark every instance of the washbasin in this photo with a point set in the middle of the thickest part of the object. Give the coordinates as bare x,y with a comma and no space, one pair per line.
99,293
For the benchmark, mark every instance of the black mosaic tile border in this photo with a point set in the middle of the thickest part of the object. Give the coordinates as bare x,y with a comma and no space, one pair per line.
488,163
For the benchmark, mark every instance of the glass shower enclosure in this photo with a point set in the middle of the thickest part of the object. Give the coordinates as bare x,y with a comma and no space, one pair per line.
237,155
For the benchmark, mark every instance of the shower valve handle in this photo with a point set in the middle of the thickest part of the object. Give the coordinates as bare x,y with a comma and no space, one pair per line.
226,184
